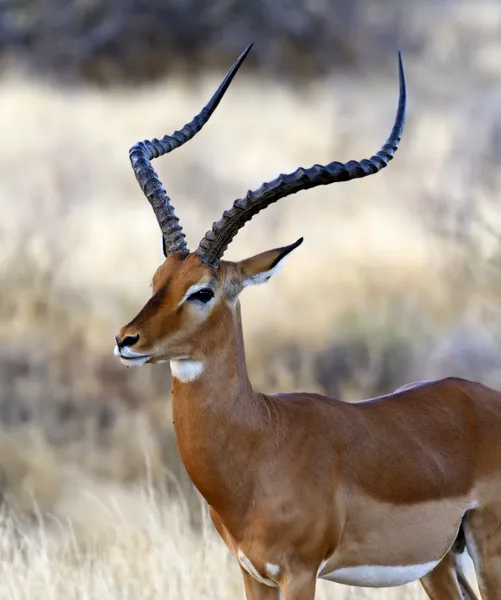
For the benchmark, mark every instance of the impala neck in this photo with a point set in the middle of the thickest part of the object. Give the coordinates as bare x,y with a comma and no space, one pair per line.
219,367
214,407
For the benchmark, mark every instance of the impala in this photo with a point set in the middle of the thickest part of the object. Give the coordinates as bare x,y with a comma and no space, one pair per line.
300,486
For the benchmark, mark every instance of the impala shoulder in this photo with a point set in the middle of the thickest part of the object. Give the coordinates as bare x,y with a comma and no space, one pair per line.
306,399
318,413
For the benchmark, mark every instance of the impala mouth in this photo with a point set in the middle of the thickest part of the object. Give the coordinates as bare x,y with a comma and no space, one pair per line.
130,358
135,362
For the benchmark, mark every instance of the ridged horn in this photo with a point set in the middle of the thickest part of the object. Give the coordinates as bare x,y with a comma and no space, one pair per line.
216,241
142,153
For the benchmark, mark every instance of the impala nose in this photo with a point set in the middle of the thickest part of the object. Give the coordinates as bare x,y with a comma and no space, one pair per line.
128,340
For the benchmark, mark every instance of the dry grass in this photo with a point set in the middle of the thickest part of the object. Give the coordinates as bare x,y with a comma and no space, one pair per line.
78,537
397,279
151,555
107,543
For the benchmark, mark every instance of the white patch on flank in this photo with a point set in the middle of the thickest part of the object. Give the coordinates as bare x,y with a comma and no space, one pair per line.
249,567
379,576
272,570
186,370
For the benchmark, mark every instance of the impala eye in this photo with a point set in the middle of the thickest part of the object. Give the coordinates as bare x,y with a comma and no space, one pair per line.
204,295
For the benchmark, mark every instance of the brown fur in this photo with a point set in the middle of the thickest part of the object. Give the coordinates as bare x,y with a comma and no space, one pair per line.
296,479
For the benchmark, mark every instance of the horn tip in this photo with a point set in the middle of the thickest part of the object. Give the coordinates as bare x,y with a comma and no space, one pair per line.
401,67
401,77
245,52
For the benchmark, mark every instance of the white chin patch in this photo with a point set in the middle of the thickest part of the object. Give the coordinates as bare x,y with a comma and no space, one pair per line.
130,358
134,362
186,370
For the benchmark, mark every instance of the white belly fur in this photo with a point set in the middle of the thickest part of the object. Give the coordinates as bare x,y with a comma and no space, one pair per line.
379,576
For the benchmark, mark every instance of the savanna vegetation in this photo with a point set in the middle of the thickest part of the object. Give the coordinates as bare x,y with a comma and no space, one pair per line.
398,277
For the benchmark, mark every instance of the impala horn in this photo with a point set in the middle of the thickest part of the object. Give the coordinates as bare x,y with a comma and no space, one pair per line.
215,241
142,153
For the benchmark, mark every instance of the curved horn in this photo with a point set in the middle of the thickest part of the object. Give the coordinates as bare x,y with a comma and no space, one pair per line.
215,241
143,152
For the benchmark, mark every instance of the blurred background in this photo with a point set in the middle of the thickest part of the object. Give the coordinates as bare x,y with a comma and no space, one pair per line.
398,278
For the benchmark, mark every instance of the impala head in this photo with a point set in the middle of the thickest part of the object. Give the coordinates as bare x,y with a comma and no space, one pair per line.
195,294
191,302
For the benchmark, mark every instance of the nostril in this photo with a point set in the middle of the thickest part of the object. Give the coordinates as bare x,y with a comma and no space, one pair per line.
128,340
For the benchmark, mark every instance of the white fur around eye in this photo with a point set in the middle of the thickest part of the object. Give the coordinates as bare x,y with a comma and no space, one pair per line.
195,288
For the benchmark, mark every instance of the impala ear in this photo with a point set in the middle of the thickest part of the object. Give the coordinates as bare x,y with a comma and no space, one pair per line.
260,268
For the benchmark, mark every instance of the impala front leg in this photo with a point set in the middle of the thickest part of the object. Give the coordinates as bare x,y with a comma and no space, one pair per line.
254,590
300,586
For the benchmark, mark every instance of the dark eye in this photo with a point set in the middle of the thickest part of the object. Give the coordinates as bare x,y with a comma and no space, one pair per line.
203,295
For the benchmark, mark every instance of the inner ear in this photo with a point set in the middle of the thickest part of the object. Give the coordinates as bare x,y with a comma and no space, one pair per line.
261,267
